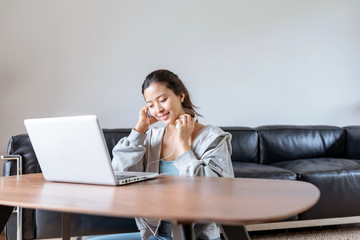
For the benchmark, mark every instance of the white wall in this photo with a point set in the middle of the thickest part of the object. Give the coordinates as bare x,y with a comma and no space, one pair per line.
245,63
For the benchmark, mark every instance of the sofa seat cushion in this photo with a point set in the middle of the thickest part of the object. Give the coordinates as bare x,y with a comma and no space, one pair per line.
254,170
339,183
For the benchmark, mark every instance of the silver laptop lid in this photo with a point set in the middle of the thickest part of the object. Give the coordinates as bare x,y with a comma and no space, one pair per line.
71,149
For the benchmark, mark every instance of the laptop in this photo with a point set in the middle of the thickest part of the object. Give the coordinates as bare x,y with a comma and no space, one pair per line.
73,149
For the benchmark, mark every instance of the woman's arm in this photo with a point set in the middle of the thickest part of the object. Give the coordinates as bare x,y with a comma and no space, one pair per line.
215,161
128,154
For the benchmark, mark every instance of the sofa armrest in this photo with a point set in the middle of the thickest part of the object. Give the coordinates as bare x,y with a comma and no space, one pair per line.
17,158
21,145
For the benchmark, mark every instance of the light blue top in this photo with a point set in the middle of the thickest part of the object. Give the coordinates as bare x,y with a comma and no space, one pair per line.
168,168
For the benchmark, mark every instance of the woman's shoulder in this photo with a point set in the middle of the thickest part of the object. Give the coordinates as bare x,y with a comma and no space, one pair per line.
209,138
211,131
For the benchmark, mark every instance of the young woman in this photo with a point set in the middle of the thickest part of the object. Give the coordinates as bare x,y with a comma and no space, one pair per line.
183,147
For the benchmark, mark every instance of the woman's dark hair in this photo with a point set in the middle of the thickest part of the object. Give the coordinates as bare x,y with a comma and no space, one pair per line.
173,82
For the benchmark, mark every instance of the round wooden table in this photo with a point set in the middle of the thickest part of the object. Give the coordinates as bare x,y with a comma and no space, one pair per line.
181,200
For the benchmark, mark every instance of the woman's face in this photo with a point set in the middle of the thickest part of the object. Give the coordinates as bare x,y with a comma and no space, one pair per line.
163,103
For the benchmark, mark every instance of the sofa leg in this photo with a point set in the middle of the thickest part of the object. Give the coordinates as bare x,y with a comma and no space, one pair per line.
235,232
66,226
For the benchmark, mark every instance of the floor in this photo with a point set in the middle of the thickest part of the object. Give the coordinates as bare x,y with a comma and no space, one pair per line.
339,232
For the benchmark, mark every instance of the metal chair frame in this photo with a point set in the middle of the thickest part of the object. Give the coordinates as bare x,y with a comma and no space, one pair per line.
17,210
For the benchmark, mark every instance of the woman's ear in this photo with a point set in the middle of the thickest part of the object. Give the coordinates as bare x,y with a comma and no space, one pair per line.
182,97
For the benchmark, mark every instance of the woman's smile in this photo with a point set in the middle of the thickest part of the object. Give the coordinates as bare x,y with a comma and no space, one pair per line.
164,117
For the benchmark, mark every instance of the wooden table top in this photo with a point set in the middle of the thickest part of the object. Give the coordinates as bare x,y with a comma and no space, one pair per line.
232,201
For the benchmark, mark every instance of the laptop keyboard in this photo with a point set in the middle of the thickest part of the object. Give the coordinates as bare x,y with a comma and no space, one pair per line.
120,177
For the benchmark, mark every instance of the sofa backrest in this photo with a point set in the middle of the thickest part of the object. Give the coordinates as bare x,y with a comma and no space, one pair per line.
265,145
244,144
353,142
283,143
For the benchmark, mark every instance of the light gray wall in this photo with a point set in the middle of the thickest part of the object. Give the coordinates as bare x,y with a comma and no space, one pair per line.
245,63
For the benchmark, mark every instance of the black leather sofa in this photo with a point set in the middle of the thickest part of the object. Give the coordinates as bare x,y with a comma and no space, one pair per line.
326,156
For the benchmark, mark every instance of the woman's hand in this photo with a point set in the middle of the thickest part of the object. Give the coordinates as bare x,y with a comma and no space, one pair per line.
144,121
185,126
